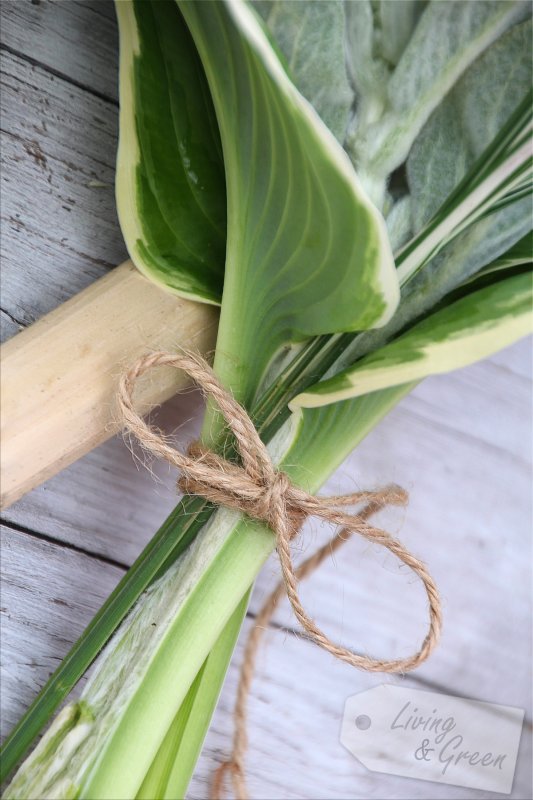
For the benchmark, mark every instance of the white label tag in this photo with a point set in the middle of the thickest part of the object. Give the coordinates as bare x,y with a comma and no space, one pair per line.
434,737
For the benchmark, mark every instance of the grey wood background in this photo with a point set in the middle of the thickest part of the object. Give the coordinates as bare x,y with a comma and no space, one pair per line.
460,443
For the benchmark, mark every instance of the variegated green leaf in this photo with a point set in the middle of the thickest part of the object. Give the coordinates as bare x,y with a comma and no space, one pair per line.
465,331
170,187
277,153
497,183
307,252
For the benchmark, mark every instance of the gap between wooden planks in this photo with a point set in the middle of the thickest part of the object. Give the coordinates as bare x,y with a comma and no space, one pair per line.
59,376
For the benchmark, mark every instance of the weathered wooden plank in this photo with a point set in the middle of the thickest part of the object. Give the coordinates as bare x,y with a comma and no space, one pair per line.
8,326
468,519
460,443
59,225
76,40
294,725
49,594
109,503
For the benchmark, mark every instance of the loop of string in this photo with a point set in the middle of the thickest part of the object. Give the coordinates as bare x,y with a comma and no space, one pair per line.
264,493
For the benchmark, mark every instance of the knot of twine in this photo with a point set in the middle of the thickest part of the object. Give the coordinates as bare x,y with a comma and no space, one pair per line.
264,493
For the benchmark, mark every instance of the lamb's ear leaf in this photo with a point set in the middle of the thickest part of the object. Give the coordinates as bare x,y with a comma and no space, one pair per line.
398,21
310,37
170,186
307,252
468,120
446,40
376,36
514,260
465,331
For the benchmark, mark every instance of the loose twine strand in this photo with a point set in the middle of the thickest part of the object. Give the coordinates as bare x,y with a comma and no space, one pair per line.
264,493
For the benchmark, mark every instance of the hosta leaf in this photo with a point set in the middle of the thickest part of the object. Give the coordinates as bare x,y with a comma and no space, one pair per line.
266,129
307,252
446,40
310,35
170,186
463,258
469,329
467,121
327,434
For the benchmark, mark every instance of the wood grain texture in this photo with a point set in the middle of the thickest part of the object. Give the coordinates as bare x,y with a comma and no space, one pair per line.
60,376
75,40
112,500
58,216
294,724
460,443
42,615
469,528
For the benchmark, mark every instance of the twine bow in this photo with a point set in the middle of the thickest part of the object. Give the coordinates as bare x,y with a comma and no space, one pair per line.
264,493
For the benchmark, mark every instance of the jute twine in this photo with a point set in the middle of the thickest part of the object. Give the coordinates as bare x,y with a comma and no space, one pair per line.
264,493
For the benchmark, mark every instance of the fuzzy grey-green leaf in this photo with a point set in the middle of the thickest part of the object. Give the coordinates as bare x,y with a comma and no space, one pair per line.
468,119
310,35
446,40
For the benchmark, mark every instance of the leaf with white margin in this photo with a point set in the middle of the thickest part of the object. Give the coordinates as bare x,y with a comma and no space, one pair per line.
468,330
307,252
170,187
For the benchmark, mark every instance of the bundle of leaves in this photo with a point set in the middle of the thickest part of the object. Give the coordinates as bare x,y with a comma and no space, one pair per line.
351,182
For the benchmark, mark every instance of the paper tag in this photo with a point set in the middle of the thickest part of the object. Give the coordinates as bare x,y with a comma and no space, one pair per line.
434,737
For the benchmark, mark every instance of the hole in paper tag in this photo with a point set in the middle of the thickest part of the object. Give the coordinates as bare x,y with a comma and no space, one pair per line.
434,737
